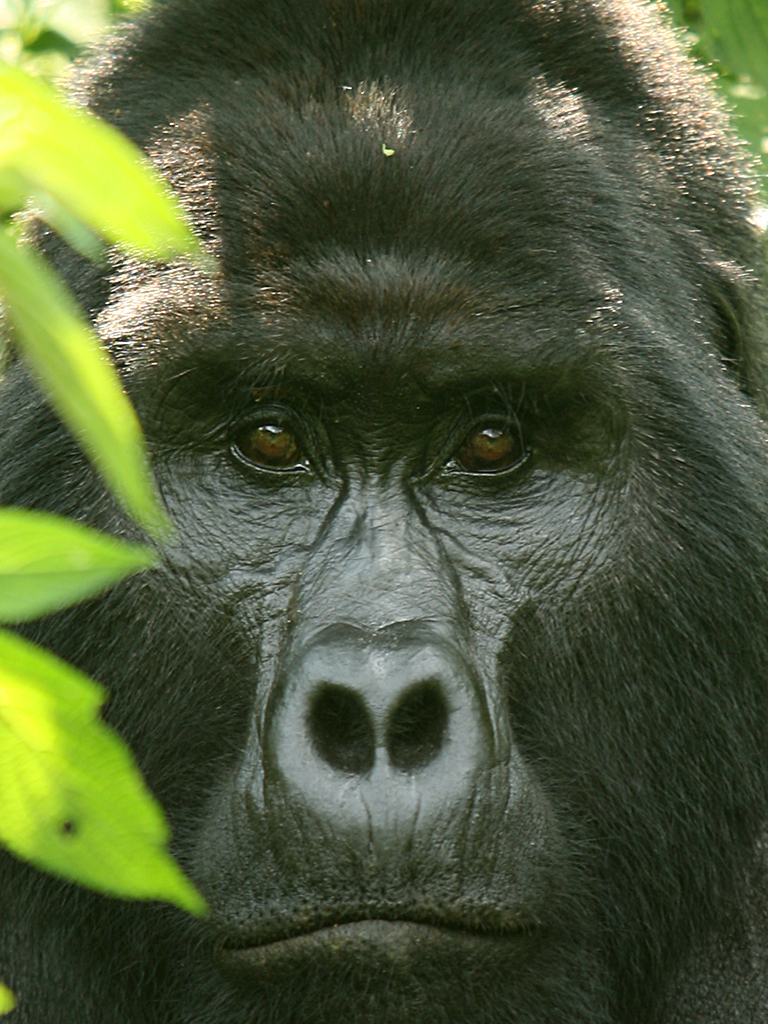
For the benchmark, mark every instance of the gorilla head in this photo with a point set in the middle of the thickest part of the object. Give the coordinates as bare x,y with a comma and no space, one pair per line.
453,680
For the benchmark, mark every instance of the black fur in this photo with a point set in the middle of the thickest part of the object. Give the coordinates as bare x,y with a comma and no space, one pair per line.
432,218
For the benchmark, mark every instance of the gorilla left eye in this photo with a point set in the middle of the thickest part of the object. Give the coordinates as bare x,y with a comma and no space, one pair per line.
269,446
490,449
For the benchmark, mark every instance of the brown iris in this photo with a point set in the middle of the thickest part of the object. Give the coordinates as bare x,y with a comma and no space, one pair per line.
490,449
269,445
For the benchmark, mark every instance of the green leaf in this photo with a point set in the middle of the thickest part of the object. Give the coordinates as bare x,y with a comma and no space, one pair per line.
13,190
50,39
732,37
7,1000
47,563
120,7
88,167
70,228
71,798
79,378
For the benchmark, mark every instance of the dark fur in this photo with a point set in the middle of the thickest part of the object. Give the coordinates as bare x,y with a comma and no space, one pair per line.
563,224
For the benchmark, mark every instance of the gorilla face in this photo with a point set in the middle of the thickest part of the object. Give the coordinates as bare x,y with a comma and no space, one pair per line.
452,681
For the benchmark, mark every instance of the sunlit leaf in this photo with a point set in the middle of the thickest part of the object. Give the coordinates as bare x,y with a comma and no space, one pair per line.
7,1000
89,168
71,798
47,563
79,378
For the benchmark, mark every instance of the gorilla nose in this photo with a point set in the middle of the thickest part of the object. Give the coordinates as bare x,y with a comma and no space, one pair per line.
378,731
341,727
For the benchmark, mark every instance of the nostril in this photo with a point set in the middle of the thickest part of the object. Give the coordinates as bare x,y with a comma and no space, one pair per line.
417,726
341,729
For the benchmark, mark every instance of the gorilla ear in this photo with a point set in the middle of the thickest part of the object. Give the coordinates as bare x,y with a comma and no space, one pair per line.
740,326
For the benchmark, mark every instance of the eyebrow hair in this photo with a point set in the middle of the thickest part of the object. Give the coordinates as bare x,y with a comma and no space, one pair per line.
343,309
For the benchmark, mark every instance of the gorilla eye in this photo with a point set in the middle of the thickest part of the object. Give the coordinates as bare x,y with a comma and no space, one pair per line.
269,446
490,449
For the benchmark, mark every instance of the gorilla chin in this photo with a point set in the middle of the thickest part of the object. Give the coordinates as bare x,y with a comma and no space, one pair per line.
452,680
378,970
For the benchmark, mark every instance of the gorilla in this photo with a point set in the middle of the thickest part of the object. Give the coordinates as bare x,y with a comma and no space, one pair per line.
454,678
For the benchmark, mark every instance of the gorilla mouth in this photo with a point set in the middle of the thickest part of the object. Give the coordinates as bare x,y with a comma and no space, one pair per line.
375,927
391,938
392,943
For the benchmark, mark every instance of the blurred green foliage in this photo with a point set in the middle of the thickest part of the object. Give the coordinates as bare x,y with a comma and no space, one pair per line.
7,1000
48,563
85,180
731,37
43,36
72,800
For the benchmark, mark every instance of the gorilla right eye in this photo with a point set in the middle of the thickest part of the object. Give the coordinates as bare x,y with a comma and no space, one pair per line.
270,446
490,448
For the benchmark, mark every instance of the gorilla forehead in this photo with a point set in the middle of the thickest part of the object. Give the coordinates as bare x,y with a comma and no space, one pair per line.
383,258
316,177
349,317
339,231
